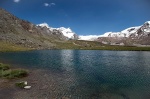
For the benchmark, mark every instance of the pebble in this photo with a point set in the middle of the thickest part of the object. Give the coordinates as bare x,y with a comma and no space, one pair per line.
27,87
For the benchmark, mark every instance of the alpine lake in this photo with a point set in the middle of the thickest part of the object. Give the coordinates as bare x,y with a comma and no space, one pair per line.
81,74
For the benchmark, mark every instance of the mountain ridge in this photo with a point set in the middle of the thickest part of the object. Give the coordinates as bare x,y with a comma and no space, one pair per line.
20,35
129,31
139,35
130,36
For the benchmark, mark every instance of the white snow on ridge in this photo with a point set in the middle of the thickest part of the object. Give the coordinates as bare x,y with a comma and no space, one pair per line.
124,33
105,34
112,34
88,37
43,25
67,32
148,22
131,29
147,29
127,32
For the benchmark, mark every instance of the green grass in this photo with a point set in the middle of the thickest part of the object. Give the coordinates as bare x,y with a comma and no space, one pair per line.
74,44
4,66
6,72
6,47
11,73
20,84
93,45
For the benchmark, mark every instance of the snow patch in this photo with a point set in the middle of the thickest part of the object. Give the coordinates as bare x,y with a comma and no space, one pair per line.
43,25
148,22
67,32
88,37
106,34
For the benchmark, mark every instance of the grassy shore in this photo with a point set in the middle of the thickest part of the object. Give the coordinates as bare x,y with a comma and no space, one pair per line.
7,72
7,47
93,45
74,44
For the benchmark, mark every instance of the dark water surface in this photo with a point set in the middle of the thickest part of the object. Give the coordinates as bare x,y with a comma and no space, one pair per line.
93,74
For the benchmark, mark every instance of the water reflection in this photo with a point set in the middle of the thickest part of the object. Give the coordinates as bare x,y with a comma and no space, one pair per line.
67,57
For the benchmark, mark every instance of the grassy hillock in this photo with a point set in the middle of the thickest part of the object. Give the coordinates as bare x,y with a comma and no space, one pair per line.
6,72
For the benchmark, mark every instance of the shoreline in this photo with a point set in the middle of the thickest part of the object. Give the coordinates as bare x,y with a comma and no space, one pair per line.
48,85
116,48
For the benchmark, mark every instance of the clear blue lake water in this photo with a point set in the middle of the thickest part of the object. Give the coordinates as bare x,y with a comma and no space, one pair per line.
124,74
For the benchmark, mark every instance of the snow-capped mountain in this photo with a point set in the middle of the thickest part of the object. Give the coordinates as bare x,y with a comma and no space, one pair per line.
129,36
130,31
67,32
44,25
125,33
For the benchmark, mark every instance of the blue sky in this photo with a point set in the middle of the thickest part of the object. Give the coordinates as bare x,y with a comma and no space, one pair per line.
85,17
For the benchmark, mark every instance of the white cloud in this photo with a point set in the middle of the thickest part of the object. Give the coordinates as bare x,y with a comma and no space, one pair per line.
52,4
49,4
16,1
46,4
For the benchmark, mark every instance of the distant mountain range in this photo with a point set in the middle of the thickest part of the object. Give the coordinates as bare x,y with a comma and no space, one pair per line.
139,35
19,34
137,31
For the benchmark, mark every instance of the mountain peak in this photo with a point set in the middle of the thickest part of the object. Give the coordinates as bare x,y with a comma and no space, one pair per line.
148,22
44,25
67,32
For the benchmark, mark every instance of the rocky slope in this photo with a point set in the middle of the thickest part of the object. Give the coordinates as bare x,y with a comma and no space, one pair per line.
23,33
139,35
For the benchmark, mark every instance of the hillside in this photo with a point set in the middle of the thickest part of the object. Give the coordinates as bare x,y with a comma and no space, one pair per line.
23,33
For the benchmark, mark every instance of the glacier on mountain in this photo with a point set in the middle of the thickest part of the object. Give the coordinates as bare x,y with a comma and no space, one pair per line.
88,37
